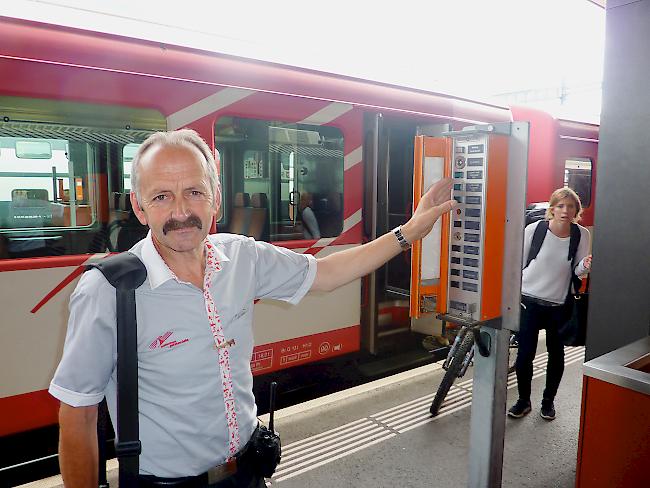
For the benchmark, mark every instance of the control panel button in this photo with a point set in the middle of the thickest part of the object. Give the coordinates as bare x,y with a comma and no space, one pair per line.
470,286
458,305
472,275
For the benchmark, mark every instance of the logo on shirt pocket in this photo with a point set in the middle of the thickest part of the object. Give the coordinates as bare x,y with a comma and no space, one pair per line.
240,314
165,341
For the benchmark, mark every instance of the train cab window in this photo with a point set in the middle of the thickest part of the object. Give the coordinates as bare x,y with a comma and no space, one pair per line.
577,176
63,166
282,181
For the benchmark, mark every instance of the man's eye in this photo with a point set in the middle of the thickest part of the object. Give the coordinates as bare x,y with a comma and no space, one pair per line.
158,198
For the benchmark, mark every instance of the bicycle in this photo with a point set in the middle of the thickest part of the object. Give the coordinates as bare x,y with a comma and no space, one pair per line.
459,358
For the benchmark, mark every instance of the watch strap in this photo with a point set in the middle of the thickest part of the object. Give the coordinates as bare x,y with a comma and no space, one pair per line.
404,244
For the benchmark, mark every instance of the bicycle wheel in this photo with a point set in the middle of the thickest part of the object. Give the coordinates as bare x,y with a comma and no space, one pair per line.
452,372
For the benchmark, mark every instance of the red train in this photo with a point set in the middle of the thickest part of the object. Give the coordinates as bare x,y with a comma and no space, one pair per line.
74,106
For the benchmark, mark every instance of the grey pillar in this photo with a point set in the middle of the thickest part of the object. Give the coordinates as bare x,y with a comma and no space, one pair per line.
620,285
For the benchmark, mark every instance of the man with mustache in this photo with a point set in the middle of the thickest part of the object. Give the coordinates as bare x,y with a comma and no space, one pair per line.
195,339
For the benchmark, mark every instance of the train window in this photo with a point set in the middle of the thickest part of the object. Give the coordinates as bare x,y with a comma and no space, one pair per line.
282,181
577,176
34,149
35,183
65,174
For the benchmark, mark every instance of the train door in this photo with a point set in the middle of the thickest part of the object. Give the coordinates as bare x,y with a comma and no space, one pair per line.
388,151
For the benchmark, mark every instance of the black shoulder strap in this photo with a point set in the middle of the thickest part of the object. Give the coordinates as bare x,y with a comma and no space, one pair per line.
126,273
538,240
574,242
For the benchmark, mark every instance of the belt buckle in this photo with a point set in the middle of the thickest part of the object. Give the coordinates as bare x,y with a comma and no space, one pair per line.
223,471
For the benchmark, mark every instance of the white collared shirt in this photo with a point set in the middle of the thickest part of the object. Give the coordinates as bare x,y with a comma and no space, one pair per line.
182,418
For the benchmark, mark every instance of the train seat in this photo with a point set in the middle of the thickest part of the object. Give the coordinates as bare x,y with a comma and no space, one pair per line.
125,229
250,220
328,209
30,207
259,224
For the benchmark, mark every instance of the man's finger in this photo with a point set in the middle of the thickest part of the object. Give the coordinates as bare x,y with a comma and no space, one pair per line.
446,207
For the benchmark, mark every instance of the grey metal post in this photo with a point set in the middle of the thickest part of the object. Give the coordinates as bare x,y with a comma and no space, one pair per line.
488,423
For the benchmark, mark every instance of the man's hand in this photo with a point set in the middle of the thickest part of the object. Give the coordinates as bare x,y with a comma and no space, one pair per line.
586,262
434,203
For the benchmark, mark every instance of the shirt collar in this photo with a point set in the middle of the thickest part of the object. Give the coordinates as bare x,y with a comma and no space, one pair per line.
157,270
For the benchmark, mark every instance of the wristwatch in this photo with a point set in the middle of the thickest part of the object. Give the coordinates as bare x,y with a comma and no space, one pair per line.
403,243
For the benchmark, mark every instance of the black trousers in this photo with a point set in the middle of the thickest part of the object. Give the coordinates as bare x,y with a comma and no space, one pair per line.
535,317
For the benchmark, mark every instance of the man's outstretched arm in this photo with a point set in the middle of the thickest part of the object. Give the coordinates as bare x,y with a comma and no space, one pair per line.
343,267
78,446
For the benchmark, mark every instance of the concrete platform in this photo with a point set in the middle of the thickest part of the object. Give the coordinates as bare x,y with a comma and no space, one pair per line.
382,435
393,441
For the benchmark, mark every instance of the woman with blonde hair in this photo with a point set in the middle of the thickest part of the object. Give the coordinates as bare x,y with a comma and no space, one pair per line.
556,252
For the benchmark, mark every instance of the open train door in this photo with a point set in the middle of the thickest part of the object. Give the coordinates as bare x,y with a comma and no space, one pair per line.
432,156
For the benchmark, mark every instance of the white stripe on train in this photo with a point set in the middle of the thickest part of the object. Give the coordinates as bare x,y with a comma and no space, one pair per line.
206,106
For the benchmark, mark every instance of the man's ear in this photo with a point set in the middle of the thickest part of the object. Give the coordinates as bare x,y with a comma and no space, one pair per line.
139,213
217,206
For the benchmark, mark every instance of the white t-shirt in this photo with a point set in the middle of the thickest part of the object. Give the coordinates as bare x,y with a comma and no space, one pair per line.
547,276
183,426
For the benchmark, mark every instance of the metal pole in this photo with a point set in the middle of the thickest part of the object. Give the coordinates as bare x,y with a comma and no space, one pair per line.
487,426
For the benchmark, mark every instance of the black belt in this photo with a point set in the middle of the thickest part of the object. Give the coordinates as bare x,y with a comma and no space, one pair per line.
538,301
241,464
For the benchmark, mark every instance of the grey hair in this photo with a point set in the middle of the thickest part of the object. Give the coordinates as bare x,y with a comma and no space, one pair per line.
183,137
